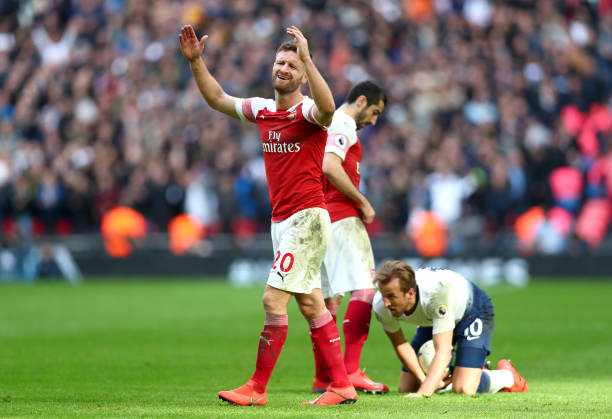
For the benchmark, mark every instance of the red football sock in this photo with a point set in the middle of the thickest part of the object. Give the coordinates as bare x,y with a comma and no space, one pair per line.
356,326
324,334
271,343
320,369
333,306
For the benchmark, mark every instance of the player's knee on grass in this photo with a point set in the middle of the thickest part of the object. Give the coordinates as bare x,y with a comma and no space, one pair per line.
407,382
466,380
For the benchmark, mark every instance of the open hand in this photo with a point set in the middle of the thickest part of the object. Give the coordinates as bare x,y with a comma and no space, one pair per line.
190,46
300,42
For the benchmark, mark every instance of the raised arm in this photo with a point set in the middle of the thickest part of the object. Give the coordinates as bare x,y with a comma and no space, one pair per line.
332,168
322,96
212,92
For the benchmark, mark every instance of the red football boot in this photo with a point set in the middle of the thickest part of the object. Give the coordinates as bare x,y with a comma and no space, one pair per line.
244,396
363,383
520,385
335,395
319,386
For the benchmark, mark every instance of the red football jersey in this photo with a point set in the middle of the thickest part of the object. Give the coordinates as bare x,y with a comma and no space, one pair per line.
342,140
293,143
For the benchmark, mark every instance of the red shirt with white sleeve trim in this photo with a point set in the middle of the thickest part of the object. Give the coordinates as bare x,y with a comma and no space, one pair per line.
342,140
293,142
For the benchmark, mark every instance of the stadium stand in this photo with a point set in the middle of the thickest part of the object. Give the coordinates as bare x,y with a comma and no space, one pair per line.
489,103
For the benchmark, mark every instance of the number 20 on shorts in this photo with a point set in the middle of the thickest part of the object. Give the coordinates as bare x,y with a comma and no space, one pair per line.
286,261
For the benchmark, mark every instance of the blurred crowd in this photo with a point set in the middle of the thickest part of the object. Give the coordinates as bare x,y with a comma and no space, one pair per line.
487,99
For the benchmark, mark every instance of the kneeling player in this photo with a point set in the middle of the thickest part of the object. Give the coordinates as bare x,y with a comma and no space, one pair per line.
451,311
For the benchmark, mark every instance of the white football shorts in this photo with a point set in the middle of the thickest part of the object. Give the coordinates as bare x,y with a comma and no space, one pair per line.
349,261
299,243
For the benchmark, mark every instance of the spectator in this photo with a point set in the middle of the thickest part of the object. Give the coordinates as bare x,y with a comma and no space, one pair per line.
93,97
47,266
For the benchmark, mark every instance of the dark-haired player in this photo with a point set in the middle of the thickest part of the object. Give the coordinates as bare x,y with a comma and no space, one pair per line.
293,133
451,311
349,262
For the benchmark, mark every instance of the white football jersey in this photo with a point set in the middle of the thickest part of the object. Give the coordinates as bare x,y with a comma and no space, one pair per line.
443,296
341,134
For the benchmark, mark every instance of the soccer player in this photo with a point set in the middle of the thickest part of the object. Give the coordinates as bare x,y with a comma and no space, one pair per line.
293,134
451,311
349,263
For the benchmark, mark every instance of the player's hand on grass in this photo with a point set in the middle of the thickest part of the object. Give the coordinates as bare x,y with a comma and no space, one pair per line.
441,385
300,42
367,212
445,382
190,46
413,396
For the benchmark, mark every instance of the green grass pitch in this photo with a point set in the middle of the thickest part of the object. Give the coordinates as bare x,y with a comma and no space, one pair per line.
138,348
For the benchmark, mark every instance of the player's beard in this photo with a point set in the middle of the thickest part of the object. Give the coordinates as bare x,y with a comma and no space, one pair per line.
360,119
289,87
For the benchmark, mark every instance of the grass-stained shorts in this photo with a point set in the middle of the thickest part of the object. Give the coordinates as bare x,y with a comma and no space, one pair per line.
299,243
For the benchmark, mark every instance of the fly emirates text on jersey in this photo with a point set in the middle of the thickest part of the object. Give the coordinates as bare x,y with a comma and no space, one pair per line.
275,146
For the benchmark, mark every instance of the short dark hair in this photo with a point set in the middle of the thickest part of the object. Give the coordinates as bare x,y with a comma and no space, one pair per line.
396,269
288,46
373,93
